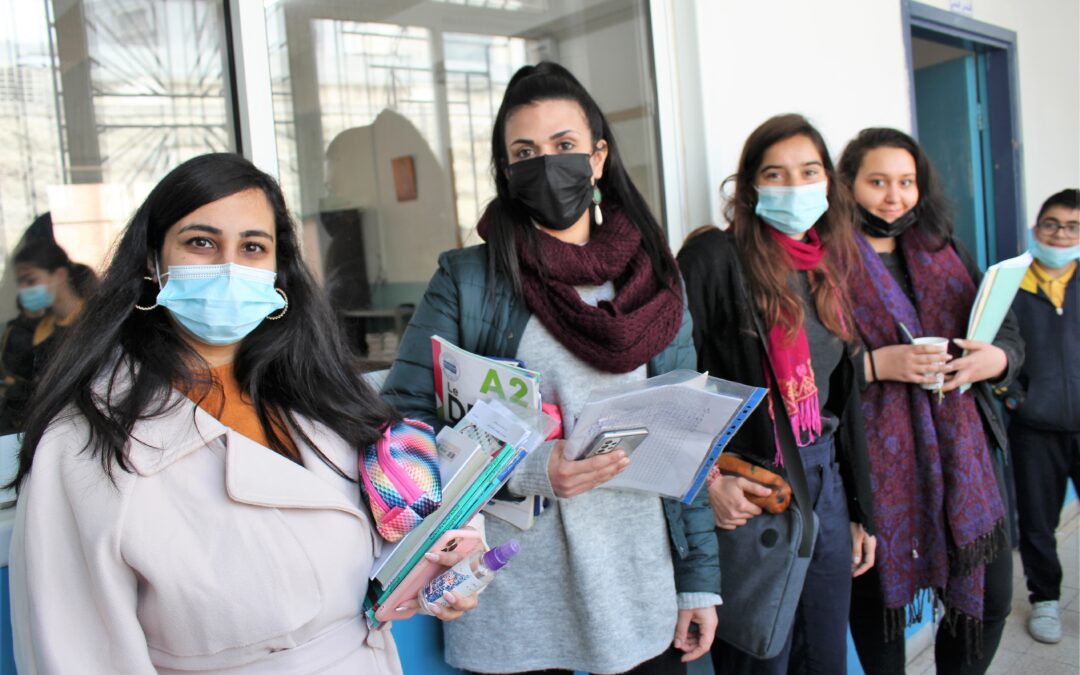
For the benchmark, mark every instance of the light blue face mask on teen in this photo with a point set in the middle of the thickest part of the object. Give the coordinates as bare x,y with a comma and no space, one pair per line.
35,298
792,209
219,304
1053,257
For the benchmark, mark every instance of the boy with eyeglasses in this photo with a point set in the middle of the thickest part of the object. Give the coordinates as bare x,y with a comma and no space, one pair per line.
1044,402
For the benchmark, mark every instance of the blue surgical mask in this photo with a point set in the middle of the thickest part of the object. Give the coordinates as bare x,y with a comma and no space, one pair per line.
219,304
36,298
792,209
1053,257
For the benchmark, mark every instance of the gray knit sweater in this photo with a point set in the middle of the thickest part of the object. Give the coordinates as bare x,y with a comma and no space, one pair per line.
592,588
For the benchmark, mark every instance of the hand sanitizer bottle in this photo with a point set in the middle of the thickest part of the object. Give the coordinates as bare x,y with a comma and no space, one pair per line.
468,576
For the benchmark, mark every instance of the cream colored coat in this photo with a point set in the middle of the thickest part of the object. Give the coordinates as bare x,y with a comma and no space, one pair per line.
217,555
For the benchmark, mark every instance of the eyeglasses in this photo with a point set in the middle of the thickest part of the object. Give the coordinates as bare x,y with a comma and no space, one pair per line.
1050,227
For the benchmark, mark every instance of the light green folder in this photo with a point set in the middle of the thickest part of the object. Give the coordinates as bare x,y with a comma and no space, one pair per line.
995,297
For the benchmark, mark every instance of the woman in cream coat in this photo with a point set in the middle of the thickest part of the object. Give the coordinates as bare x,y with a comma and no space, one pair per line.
188,479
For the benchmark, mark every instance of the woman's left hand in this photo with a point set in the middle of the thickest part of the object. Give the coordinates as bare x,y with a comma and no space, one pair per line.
983,361
458,604
695,643
863,549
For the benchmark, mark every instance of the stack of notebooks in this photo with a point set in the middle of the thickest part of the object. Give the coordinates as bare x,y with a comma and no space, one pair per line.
463,378
476,457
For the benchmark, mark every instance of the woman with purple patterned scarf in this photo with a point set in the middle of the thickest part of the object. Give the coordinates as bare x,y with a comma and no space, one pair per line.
936,453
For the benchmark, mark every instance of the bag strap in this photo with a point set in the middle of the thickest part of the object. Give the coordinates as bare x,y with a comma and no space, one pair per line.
800,489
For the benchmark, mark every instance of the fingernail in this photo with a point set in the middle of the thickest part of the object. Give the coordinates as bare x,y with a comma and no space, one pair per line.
435,609
401,609
856,561
450,597
433,557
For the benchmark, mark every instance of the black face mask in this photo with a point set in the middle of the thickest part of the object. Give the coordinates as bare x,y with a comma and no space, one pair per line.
554,189
876,227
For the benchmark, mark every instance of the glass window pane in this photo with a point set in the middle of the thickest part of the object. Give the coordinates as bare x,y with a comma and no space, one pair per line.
384,113
98,100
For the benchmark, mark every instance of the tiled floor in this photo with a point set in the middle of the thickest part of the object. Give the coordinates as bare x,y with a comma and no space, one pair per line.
1019,654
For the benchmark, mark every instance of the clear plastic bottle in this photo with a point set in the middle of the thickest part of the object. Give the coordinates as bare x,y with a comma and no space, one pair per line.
468,576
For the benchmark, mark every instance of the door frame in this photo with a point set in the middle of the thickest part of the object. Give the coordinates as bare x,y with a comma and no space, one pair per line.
1003,109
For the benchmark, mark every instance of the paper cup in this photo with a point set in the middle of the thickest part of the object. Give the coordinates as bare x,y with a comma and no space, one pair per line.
943,344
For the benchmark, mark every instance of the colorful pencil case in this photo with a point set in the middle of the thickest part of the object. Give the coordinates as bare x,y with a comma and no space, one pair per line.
400,478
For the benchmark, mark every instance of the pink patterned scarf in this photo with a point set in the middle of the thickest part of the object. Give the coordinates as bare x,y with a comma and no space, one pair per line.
791,357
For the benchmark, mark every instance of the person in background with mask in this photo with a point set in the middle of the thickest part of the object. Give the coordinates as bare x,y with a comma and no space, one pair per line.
936,455
16,366
1044,403
54,288
188,497
49,281
784,259
576,280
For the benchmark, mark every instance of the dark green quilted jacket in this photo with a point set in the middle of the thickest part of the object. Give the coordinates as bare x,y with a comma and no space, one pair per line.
458,307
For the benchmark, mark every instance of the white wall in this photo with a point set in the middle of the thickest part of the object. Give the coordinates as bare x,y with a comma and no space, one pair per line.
1048,52
843,64
839,62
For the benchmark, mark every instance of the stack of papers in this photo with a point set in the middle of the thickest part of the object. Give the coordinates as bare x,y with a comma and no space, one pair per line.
690,417
476,457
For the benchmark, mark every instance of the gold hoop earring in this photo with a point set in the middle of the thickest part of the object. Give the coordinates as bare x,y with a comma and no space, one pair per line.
283,309
153,306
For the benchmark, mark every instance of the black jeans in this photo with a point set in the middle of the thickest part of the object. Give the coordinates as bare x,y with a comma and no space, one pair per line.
1043,462
818,639
667,663
879,657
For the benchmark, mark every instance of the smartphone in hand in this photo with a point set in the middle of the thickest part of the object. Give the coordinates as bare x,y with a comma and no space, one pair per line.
607,442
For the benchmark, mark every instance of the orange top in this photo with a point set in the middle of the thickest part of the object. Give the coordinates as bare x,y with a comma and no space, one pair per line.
49,323
233,408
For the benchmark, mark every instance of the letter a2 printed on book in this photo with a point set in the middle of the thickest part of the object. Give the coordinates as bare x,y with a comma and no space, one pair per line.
463,378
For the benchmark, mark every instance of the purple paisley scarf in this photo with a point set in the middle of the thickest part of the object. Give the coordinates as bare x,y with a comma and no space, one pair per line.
936,502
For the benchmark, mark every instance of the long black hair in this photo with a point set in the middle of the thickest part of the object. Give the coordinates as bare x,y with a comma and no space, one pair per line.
507,219
118,365
935,214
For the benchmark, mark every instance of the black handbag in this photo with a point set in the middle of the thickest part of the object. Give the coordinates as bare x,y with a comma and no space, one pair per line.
763,563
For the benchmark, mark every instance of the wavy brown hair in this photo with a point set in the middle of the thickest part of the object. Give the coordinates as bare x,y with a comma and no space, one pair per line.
766,263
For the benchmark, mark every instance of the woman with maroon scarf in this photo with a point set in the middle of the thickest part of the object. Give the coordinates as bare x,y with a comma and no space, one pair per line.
935,459
576,280
782,265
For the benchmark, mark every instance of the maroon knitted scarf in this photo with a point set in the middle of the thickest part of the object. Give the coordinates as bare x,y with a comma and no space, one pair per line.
615,336
938,510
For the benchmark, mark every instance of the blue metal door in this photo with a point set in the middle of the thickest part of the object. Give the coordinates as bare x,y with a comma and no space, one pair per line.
950,120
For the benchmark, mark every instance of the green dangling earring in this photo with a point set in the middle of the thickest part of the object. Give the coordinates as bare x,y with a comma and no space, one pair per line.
596,198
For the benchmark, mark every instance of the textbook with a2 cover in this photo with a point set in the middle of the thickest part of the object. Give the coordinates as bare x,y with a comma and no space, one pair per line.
463,378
